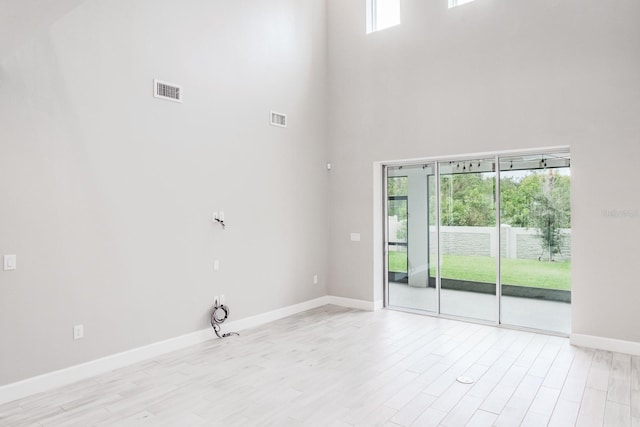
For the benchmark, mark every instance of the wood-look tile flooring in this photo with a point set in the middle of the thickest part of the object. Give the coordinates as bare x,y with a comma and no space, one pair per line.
342,367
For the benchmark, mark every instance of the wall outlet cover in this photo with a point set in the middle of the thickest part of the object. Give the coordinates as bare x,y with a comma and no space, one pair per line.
10,262
78,332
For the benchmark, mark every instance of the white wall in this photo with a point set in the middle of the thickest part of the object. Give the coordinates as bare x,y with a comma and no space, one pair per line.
495,75
106,194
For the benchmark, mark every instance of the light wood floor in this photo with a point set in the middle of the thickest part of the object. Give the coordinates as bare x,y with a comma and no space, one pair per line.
342,367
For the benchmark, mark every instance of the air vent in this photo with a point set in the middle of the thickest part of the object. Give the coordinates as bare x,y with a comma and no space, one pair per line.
166,90
278,119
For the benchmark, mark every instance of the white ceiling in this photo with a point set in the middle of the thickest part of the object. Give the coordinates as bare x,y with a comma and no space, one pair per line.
21,20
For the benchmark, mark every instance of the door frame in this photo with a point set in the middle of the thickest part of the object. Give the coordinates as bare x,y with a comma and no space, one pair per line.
381,235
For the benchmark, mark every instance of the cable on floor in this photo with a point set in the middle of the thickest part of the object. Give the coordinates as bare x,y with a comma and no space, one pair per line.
218,316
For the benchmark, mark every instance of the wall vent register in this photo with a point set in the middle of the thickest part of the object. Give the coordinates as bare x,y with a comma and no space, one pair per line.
167,91
278,119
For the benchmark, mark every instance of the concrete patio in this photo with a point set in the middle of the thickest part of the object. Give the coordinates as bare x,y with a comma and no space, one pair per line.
526,312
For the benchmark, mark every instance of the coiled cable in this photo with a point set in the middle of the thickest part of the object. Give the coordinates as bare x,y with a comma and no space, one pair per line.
218,316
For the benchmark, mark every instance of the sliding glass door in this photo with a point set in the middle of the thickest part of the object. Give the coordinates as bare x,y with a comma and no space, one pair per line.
410,261
535,263
450,251
468,246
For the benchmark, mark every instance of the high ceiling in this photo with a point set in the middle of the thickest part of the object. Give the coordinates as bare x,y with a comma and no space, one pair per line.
22,19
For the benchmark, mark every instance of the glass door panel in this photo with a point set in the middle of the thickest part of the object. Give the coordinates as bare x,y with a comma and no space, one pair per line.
446,244
398,255
409,211
535,244
468,246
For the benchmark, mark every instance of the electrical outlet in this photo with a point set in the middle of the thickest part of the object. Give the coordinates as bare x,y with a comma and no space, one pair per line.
216,301
9,262
216,265
78,332
315,279
222,299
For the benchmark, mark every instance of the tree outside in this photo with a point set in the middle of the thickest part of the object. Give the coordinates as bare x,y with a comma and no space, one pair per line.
551,213
535,200
538,200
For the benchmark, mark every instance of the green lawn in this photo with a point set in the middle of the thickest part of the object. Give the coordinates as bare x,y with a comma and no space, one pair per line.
398,261
521,272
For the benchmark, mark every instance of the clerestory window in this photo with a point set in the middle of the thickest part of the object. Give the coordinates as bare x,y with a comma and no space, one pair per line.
454,3
382,14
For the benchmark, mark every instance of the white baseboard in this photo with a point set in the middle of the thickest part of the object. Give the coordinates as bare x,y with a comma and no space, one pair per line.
609,344
92,368
355,303
270,316
75,373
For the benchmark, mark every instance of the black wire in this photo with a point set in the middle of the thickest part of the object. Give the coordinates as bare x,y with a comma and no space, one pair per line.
217,320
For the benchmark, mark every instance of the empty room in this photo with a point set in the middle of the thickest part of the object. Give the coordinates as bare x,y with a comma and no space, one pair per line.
319,213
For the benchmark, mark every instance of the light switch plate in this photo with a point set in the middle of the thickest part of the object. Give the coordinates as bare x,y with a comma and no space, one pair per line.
355,237
78,332
10,262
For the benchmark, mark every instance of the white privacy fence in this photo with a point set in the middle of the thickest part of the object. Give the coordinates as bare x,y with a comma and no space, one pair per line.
517,242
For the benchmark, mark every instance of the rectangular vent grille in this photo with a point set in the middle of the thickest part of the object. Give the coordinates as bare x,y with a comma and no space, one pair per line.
168,91
278,119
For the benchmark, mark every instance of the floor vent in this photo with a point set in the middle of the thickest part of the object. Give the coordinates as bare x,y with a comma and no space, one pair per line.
166,90
278,119
465,380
